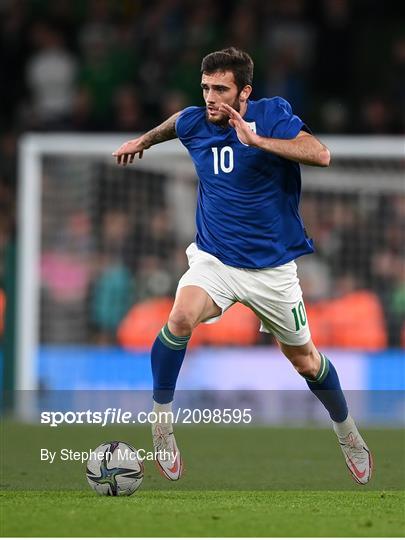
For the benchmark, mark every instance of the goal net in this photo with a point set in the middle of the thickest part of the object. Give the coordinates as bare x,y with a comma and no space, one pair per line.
98,241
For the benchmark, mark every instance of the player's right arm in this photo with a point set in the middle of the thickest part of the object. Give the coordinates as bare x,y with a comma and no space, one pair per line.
163,132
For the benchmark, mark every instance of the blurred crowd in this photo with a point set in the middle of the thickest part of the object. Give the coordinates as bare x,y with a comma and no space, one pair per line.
113,252
359,266
123,66
93,65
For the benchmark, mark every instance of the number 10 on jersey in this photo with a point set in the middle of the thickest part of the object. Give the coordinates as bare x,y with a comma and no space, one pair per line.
223,159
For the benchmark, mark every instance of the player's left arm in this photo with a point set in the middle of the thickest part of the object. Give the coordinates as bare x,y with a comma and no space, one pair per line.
304,148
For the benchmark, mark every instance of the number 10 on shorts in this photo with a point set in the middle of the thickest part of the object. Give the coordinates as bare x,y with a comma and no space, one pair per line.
300,317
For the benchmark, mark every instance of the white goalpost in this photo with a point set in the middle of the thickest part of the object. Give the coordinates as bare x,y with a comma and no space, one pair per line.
32,148
373,166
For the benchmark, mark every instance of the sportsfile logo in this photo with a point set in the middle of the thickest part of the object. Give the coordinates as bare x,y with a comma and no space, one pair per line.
113,415
121,454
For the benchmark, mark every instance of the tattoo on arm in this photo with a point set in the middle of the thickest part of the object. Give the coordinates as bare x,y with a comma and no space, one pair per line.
164,132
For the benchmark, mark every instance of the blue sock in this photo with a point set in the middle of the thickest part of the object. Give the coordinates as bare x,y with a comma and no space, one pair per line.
326,387
167,357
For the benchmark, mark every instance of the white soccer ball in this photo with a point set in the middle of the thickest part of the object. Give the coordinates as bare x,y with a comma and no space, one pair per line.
114,469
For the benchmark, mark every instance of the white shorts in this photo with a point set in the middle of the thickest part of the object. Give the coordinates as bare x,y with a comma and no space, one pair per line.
274,294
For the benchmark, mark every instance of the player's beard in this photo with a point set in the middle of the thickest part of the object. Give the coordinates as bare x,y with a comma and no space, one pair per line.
223,120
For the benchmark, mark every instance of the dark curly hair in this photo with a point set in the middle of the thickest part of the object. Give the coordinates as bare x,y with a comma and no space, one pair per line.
230,59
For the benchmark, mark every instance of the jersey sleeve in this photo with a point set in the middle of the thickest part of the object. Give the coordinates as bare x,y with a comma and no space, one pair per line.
186,122
285,124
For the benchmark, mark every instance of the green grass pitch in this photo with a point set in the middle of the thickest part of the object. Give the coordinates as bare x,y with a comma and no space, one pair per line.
252,481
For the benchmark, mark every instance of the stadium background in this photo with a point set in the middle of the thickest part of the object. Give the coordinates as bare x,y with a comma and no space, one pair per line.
112,249
110,259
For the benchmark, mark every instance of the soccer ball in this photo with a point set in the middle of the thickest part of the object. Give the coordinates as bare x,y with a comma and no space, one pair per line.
114,469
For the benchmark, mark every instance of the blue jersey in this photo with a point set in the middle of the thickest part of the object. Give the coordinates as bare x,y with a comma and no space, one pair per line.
247,206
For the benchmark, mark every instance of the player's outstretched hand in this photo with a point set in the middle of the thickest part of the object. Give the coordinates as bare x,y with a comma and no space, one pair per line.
126,153
243,130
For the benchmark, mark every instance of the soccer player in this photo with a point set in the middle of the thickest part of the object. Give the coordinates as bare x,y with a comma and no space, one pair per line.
249,232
